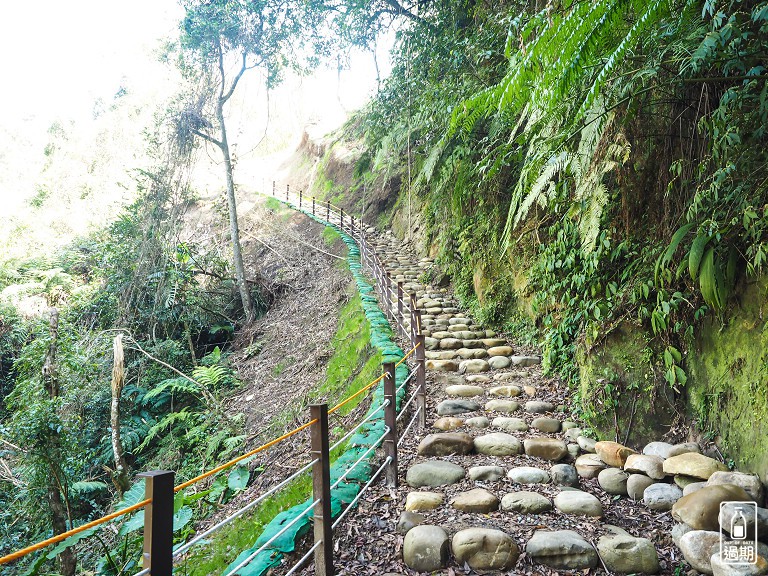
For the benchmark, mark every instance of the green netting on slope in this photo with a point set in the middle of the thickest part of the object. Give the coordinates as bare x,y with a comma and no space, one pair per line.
381,337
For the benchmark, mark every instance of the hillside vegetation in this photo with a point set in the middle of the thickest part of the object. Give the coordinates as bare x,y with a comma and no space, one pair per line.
592,176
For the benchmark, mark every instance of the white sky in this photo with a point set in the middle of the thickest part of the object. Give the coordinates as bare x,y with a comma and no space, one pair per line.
59,56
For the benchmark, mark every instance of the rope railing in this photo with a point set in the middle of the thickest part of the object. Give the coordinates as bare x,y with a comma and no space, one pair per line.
159,553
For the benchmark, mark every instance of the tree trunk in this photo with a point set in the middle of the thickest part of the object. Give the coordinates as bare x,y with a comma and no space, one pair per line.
234,229
59,514
120,477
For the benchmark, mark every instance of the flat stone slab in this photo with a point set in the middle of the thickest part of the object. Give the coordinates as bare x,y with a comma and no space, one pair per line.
528,475
551,449
446,444
693,464
442,365
452,407
434,473
539,406
524,361
508,391
510,424
423,501
578,503
498,444
526,503
473,366
485,549
498,362
507,406
448,423
561,549
464,390
651,466
548,425
486,473
479,422
478,501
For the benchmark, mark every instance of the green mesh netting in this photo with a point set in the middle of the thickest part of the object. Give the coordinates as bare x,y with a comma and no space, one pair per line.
343,494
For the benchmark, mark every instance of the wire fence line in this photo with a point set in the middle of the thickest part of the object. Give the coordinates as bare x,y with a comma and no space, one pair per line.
405,318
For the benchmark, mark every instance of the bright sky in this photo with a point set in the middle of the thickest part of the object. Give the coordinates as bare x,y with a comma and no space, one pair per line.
59,56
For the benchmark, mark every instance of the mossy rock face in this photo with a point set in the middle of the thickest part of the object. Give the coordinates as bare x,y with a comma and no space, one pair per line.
728,384
618,391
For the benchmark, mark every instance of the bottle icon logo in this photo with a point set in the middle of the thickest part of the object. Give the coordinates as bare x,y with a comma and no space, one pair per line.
739,525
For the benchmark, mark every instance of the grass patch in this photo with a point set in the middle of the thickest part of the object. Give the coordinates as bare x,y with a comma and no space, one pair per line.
274,204
330,236
353,365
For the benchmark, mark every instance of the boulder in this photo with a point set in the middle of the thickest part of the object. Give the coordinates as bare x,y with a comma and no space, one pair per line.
423,501
693,487
579,503
526,503
426,548
701,509
651,466
749,482
721,567
479,501
528,475
523,361
485,549
684,448
442,365
500,351
661,497
546,448
561,549
613,453
589,465
408,520
729,511
433,473
636,485
660,449
498,444
628,555
696,547
446,443
586,444
613,481
693,464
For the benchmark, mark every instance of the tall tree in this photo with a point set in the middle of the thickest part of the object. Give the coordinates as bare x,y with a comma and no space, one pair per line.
222,40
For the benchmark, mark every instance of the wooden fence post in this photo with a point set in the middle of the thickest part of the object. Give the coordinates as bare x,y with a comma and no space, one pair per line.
321,490
158,522
421,381
390,419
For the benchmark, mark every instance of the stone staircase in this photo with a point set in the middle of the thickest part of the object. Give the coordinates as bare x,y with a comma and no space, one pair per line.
503,481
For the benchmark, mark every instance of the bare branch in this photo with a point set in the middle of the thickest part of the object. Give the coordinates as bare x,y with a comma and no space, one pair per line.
210,139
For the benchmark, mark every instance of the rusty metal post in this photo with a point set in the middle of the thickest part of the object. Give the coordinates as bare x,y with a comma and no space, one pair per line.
321,490
400,323
388,290
313,205
342,219
301,194
158,522
287,190
327,210
413,319
421,381
274,184
390,419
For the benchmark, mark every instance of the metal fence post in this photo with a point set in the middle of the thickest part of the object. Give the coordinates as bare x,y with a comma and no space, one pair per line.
388,291
327,210
158,522
287,190
313,205
342,218
390,419
413,319
321,490
301,194
421,381
400,324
